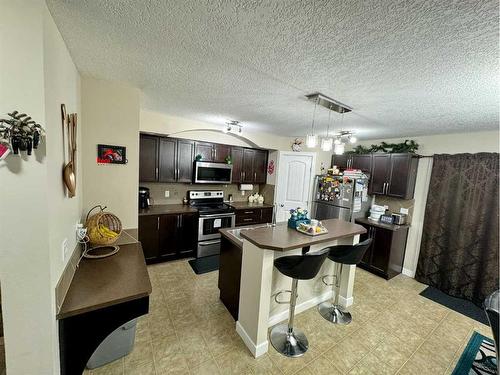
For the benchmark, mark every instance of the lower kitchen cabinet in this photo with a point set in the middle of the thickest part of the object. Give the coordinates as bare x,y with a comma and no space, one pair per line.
254,215
168,237
386,255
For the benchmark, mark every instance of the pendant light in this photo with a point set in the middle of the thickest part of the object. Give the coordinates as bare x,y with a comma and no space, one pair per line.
312,139
339,145
327,143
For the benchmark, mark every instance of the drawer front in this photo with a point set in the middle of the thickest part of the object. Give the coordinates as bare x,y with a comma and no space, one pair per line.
246,217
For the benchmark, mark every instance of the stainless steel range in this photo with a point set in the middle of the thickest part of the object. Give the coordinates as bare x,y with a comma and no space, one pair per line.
214,215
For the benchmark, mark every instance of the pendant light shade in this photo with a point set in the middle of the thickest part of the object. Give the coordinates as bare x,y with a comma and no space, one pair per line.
327,144
311,140
339,149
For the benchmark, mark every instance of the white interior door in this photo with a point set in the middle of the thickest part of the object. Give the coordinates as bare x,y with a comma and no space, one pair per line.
294,182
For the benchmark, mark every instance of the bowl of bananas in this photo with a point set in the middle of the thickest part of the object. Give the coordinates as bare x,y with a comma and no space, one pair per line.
103,228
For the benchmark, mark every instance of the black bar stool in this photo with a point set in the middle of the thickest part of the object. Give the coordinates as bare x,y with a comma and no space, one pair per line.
284,338
342,254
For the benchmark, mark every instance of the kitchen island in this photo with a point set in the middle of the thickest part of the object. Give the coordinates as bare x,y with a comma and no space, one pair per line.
253,251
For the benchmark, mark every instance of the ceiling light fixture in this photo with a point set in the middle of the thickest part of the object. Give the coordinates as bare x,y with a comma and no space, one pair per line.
327,143
312,139
232,126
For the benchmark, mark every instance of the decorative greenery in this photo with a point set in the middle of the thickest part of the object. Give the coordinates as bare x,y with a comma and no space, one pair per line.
198,157
406,146
228,159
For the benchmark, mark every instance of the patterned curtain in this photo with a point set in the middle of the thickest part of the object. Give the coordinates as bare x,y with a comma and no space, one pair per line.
459,250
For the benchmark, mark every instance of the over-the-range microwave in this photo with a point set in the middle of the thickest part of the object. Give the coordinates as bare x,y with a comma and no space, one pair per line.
212,173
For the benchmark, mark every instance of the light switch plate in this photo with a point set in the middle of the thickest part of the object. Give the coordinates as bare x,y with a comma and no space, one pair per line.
403,211
167,194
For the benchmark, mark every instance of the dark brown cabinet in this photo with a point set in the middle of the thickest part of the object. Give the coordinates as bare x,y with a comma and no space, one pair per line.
353,161
221,152
341,161
254,166
230,275
237,158
212,151
394,175
148,158
168,237
385,256
164,159
185,158
205,150
253,215
167,159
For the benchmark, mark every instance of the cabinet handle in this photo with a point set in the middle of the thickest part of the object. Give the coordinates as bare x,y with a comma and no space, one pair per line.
158,223
244,175
215,153
255,176
248,212
156,172
247,219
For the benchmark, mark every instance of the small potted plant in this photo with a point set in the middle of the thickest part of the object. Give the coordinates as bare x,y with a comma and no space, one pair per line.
297,216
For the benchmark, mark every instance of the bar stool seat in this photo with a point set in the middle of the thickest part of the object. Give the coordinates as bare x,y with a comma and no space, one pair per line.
341,255
284,337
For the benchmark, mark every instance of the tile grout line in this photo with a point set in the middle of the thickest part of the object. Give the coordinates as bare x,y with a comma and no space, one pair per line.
467,338
425,339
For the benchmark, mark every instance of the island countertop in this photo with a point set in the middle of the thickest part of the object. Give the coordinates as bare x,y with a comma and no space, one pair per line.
282,238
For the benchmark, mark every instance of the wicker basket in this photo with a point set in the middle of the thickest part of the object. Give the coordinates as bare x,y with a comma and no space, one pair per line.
103,228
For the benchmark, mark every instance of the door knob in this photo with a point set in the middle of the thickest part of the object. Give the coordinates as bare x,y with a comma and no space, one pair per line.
282,205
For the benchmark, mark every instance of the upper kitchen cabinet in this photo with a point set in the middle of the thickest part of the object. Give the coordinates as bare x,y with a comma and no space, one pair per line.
237,159
148,158
260,166
185,158
253,166
167,160
212,151
362,162
394,175
164,159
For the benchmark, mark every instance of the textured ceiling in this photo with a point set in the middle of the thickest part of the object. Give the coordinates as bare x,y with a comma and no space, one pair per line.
406,67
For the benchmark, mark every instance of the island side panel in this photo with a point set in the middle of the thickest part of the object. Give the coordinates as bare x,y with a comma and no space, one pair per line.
346,298
255,293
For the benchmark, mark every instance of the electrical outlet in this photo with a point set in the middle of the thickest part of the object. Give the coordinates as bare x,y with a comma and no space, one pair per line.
403,211
65,249
167,194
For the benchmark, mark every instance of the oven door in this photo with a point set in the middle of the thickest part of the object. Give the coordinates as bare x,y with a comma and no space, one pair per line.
209,225
207,248
212,173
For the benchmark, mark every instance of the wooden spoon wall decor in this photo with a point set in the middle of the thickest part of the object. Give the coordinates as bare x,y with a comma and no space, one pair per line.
69,176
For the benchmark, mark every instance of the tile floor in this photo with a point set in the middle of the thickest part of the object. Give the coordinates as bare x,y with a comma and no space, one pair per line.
394,330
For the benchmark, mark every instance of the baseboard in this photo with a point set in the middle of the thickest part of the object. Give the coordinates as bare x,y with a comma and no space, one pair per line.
256,350
346,302
408,272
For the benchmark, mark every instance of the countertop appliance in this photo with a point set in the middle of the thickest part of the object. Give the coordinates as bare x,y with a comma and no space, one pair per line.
144,198
339,197
214,214
399,219
212,173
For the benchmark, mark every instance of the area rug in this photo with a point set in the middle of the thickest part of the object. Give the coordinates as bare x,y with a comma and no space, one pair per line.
478,358
205,264
459,305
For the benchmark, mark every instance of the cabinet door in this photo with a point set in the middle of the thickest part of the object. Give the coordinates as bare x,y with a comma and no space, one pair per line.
221,152
267,215
185,159
205,150
363,162
148,158
237,157
260,167
187,235
341,161
367,258
169,225
403,175
381,249
149,236
248,155
380,173
167,160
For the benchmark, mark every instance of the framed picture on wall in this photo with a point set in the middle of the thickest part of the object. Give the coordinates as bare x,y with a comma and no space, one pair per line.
107,154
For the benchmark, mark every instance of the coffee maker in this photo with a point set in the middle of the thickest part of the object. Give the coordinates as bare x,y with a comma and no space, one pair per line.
143,197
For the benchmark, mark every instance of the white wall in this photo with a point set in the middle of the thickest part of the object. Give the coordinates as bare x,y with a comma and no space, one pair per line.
429,145
35,215
111,115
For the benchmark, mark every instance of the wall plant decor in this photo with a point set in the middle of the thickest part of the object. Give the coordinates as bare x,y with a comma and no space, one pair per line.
19,132
403,147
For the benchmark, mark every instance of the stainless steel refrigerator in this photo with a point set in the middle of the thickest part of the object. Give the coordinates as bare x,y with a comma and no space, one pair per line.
340,197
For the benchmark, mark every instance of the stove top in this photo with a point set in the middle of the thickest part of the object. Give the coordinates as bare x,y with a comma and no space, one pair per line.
210,209
209,202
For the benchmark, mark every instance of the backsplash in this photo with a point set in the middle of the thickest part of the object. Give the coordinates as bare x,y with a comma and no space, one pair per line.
179,191
395,205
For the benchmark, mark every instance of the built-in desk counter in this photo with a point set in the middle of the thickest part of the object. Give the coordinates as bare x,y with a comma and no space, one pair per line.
259,281
104,294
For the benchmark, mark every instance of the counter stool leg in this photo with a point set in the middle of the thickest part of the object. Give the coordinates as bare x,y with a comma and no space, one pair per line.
333,312
284,338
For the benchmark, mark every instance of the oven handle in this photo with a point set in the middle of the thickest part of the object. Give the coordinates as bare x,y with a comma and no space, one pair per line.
216,215
208,243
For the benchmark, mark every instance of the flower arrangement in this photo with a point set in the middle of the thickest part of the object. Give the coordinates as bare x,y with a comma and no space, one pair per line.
297,216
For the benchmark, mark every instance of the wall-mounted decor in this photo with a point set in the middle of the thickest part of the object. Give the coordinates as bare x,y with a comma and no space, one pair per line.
107,154
69,170
297,145
19,133
270,167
